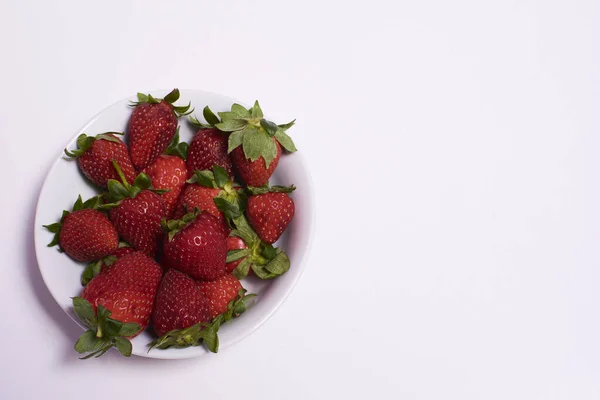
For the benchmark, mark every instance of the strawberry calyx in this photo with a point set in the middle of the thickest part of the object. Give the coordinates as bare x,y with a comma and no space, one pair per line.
265,260
85,142
118,191
173,226
170,98
176,148
230,201
203,333
248,128
93,203
256,190
104,332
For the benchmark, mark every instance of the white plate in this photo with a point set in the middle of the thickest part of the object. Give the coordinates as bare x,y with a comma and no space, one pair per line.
65,182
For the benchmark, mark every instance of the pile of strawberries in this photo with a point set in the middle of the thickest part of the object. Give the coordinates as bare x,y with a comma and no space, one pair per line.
171,234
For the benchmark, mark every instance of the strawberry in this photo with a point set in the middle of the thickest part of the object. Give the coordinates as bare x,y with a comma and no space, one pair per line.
270,210
117,304
258,257
255,173
208,148
136,211
179,303
219,293
234,243
254,142
85,233
196,245
170,173
186,314
212,192
199,196
95,155
152,126
93,269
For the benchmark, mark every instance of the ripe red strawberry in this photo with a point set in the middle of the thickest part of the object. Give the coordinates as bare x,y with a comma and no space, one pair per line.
220,293
254,142
212,192
85,234
93,269
170,173
270,214
196,246
117,304
95,155
254,173
179,303
202,197
137,212
234,243
209,148
152,126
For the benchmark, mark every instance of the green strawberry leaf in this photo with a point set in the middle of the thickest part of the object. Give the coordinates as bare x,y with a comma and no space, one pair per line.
229,116
234,255
123,345
240,110
210,117
172,97
235,139
256,111
90,271
279,265
241,271
204,178
269,152
88,342
231,125
269,126
285,141
253,143
129,329
84,311
230,209
221,176
287,126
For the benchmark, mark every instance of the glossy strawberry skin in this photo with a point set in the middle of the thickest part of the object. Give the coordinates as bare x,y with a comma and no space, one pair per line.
198,196
254,173
199,249
127,288
168,172
269,214
96,162
207,149
219,293
151,128
87,235
138,221
179,303
234,243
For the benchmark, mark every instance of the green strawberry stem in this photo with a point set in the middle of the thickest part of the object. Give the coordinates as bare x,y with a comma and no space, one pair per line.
117,191
172,227
103,333
203,333
176,148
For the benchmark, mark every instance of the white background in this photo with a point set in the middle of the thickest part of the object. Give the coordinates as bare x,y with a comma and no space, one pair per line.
454,150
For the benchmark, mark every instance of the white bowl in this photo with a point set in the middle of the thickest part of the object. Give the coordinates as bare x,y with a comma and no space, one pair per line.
65,182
